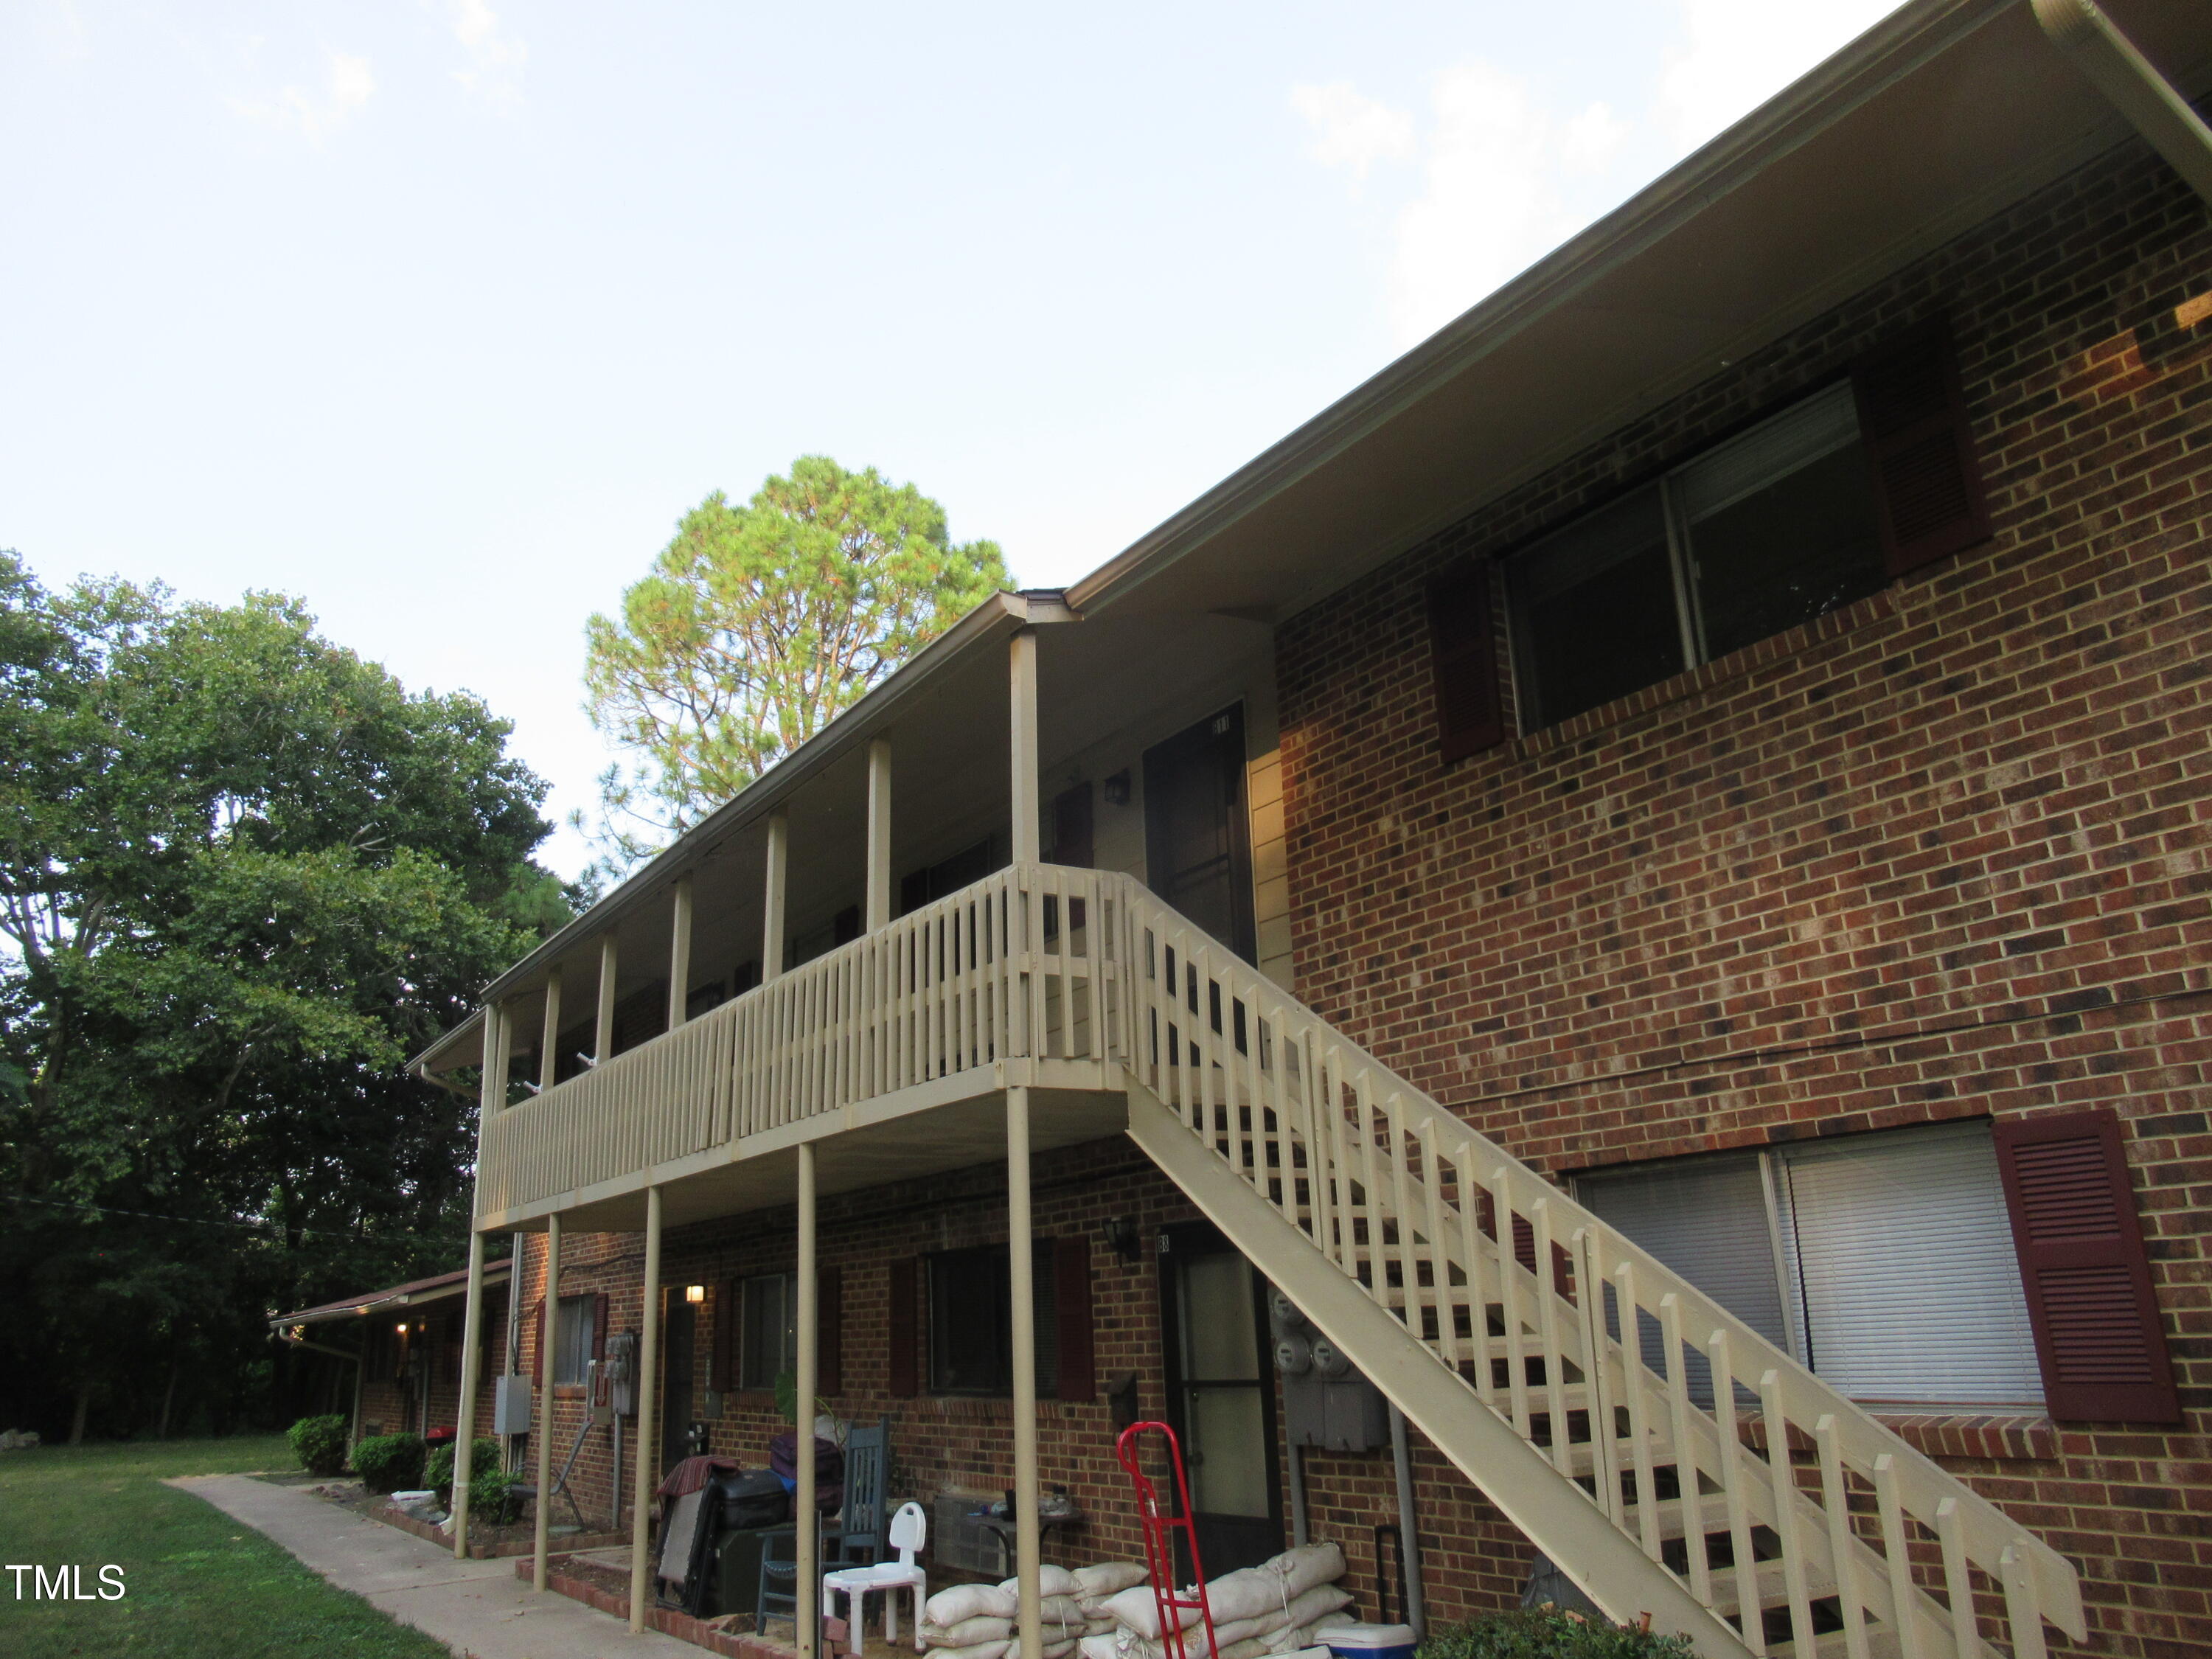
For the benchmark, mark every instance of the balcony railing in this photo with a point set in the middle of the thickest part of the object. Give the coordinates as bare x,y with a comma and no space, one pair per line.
1018,966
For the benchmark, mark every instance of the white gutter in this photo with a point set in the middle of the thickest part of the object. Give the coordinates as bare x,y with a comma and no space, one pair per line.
2134,85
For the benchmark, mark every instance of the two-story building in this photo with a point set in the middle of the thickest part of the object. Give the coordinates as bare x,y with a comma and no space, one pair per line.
1680,806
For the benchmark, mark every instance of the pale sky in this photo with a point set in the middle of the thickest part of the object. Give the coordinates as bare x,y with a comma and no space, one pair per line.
438,314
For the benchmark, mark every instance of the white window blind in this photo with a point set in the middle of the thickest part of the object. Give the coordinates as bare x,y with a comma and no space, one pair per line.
1908,1284
1885,1261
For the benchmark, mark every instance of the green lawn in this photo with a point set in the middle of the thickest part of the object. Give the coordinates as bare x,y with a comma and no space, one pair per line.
198,1583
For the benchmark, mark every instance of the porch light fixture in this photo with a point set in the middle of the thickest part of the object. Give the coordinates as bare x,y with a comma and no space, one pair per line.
1116,788
402,1330
695,1293
1120,1233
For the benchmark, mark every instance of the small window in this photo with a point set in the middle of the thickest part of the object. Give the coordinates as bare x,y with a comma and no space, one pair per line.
571,1349
971,1322
1771,529
768,1337
1883,1261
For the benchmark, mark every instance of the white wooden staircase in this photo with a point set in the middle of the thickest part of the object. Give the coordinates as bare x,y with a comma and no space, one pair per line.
1692,1472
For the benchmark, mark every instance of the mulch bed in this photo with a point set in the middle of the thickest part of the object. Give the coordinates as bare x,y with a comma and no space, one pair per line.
485,1542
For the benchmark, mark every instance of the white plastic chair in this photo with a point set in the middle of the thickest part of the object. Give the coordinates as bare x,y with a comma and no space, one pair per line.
910,1530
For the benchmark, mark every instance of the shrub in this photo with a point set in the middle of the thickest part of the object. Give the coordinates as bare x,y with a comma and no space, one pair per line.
491,1494
389,1462
438,1471
319,1444
1547,1633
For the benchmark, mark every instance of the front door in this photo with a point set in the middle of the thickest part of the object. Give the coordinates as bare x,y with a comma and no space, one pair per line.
1198,835
676,1325
1221,1395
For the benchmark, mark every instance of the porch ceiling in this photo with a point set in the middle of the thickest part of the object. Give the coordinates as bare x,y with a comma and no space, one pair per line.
957,1135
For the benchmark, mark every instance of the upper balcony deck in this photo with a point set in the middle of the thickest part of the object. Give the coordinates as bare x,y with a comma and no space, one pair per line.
898,1044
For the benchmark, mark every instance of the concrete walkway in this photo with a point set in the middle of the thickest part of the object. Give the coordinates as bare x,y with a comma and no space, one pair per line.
479,1609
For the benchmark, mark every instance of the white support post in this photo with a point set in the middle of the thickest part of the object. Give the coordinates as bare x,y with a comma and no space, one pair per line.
464,1416
779,867
603,1032
644,1389
1028,830
541,1422
679,953
1021,1274
807,1521
877,910
549,1042
490,1096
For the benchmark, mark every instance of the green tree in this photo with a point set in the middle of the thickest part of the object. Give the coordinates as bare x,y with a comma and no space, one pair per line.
757,625
243,874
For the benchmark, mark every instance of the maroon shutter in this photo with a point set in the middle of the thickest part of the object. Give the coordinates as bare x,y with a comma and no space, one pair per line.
599,1325
905,1332
1929,499
538,1341
2097,1329
722,1356
830,1332
1463,651
1071,1293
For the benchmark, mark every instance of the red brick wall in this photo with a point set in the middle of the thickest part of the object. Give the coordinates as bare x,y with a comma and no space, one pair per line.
1941,854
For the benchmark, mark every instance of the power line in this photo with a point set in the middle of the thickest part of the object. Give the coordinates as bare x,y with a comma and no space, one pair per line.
184,1220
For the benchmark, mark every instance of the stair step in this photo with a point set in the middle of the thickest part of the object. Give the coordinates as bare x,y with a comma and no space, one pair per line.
1772,1586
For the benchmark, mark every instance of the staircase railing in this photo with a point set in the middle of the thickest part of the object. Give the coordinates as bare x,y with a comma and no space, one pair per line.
1781,1504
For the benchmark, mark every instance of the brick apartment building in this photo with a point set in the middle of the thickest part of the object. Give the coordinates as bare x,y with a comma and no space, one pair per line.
1726,721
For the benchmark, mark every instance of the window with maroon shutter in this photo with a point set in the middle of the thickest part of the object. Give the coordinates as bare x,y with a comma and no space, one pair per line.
722,1356
538,1341
1074,1366
904,1328
2098,1335
599,1325
1929,499
1463,655
830,1332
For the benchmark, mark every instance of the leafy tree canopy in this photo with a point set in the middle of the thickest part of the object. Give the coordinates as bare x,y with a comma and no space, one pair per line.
758,624
243,874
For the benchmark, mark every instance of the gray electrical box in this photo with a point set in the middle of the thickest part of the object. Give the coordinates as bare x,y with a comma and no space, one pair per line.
1325,1402
510,1404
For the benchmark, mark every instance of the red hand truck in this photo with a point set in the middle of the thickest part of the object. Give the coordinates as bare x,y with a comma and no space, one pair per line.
1159,1547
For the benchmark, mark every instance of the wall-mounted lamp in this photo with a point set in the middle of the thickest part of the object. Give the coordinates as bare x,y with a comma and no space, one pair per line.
1120,1233
402,1330
1116,788
695,1293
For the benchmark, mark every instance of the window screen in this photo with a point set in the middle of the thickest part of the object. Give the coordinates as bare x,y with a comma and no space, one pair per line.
571,1349
1884,1262
1596,608
1771,529
971,1321
768,1340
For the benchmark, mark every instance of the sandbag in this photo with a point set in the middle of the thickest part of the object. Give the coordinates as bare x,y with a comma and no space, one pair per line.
980,1650
949,1607
1321,1600
1061,1649
1309,1565
1248,1593
967,1633
1135,1610
1051,1581
1310,1636
1104,1578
